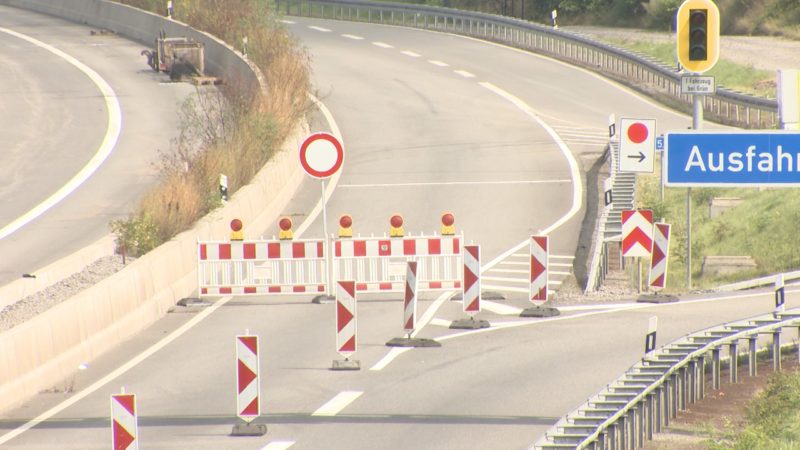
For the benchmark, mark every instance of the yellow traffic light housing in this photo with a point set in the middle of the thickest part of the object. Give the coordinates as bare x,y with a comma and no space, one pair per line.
698,35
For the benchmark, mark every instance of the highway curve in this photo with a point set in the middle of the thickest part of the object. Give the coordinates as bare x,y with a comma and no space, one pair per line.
431,122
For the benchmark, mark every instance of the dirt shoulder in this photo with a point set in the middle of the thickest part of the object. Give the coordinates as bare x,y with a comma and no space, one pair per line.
761,52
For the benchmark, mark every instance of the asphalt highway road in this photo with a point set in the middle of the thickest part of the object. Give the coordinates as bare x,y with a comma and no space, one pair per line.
416,109
56,120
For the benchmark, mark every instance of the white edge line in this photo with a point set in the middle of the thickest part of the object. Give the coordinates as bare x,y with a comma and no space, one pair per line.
451,183
337,404
278,445
393,353
114,374
106,147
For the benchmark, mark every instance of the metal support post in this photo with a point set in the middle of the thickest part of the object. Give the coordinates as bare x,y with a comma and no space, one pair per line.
667,401
640,425
675,396
651,399
684,375
715,368
692,381
612,437
701,369
658,417
752,356
623,432
776,350
734,361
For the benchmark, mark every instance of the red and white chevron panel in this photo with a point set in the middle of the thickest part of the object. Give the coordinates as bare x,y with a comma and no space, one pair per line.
124,430
410,299
539,253
658,263
399,286
637,232
472,279
346,325
247,386
263,290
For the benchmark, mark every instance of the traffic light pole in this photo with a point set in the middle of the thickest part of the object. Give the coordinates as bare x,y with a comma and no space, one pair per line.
697,124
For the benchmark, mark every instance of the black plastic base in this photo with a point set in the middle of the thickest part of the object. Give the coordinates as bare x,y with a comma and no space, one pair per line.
249,429
540,311
412,342
468,324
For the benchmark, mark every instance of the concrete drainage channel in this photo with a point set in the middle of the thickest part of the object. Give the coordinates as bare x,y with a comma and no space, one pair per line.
646,397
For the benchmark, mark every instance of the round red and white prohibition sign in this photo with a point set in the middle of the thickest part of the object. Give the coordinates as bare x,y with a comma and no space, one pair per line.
321,155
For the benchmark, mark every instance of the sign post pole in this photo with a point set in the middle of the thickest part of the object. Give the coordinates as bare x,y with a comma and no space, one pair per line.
328,258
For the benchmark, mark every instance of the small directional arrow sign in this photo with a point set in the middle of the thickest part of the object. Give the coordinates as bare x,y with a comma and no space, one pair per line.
637,145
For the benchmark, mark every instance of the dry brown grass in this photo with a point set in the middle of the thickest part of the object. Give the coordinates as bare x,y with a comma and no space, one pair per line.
231,131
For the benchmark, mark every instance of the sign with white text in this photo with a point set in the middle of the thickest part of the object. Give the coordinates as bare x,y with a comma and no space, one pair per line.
748,159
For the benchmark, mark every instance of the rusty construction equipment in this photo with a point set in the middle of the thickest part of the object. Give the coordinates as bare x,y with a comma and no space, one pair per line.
180,57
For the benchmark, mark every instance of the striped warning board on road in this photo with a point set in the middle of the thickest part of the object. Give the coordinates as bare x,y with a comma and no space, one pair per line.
637,232
472,279
247,386
124,422
539,254
410,299
658,263
346,325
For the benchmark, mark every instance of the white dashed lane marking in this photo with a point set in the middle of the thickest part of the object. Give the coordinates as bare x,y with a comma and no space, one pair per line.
353,37
410,53
314,27
438,63
338,403
464,73
382,45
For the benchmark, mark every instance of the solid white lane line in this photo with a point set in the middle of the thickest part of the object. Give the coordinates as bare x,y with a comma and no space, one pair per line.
382,45
451,183
410,53
438,63
464,73
499,308
393,353
106,146
314,27
431,311
337,404
80,395
278,445
353,37
441,323
577,185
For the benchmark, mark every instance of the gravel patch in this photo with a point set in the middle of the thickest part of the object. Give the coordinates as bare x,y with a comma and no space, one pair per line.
34,304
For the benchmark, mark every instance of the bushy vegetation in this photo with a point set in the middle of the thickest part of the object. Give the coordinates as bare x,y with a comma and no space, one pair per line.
228,131
773,418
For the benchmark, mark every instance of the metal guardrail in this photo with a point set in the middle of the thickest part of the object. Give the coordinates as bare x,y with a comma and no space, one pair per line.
652,391
647,75
609,226
758,282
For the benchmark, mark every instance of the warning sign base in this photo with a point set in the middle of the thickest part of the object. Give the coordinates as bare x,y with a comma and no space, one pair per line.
468,324
249,429
540,311
321,299
346,364
412,342
657,298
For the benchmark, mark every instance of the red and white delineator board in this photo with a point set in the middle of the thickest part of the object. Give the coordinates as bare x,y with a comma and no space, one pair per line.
658,263
346,324
378,264
472,280
410,298
538,268
248,389
124,427
637,232
261,267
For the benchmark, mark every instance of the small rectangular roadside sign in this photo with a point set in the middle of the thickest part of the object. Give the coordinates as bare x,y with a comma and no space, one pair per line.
692,84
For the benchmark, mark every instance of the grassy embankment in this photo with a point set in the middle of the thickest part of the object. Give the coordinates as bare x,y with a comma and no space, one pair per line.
229,131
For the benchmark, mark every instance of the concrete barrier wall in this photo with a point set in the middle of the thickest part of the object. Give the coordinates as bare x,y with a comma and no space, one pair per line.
46,350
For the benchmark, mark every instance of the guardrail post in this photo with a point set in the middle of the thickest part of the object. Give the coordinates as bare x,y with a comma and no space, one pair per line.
658,413
623,432
684,389
776,350
639,425
675,396
715,368
692,381
667,408
701,372
734,361
752,356
651,399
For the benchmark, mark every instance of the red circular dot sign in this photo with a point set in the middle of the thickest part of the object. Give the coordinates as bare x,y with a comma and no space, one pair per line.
637,133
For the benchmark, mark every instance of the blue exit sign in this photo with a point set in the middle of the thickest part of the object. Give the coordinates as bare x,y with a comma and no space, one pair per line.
760,158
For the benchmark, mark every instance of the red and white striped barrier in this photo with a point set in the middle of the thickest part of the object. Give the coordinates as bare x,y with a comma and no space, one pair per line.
124,430
539,254
410,299
261,267
658,263
248,388
472,279
378,264
346,325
